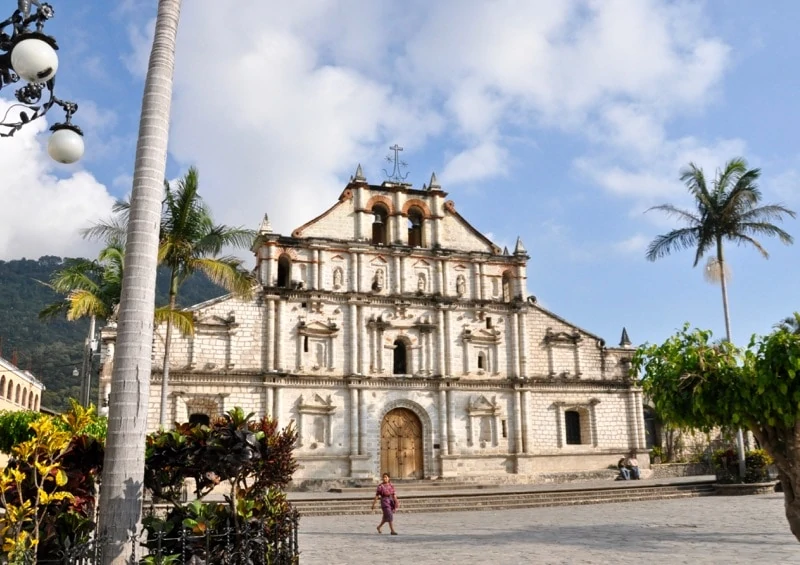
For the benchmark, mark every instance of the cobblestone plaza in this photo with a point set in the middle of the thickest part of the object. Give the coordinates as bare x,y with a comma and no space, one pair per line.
747,529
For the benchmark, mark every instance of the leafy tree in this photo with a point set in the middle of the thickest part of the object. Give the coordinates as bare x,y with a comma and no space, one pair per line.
728,210
698,383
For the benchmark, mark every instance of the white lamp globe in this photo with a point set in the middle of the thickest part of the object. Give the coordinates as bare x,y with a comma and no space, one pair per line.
65,146
34,60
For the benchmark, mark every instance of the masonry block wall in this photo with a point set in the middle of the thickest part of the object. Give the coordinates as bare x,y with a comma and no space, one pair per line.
390,332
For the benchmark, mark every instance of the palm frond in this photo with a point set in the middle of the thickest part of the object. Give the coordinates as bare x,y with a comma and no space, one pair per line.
743,240
790,324
83,303
705,242
182,320
663,245
768,212
227,273
672,211
765,228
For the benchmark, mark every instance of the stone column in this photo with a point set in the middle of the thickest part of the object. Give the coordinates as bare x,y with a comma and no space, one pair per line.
442,281
396,284
379,347
280,309
519,446
362,423
352,285
482,279
269,338
634,420
270,269
269,395
640,420
313,276
561,426
362,338
440,337
320,270
526,421
523,344
450,415
448,367
443,447
513,340
353,338
593,421
353,421
476,286
402,275
278,409
360,272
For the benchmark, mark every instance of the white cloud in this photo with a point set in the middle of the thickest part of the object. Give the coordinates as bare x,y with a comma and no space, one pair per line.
277,113
44,205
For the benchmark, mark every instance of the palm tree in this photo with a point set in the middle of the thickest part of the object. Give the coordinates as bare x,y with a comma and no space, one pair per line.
123,467
728,210
191,242
790,324
91,289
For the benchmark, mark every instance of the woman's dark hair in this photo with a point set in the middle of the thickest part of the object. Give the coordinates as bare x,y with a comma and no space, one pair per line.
385,475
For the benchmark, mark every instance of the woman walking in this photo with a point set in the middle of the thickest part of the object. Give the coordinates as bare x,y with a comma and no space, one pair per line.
389,503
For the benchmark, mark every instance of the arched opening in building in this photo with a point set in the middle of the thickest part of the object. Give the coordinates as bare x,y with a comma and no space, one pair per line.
415,227
10,391
284,271
400,364
2,386
380,223
199,419
507,289
572,422
16,396
24,396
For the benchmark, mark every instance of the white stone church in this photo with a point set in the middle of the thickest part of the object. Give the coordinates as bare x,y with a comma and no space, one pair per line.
397,338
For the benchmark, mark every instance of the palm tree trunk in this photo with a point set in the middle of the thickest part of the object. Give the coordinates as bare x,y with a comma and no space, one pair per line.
723,284
123,468
173,293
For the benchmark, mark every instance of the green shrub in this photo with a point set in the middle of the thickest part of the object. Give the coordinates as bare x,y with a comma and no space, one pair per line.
15,427
658,451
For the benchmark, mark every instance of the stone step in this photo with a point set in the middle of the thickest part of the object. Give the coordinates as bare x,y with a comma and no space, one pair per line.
501,501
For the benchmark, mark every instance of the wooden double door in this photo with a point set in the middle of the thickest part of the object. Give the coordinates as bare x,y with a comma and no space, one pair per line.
401,445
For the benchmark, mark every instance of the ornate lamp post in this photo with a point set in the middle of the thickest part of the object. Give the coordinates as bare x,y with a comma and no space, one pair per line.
30,55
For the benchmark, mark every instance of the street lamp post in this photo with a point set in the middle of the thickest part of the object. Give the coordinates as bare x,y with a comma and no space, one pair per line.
30,55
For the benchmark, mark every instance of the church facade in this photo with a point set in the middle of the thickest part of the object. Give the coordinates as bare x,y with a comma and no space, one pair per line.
397,338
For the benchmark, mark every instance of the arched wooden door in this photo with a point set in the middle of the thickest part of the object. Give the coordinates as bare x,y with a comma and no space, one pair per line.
401,445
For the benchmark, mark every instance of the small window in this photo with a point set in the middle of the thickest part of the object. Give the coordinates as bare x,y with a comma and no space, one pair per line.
481,361
572,420
379,225
400,360
305,344
504,426
488,323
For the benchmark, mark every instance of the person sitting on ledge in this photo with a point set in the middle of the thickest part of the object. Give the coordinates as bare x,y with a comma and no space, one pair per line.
624,474
633,466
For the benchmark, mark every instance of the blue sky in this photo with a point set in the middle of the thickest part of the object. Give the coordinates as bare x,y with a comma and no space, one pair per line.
559,122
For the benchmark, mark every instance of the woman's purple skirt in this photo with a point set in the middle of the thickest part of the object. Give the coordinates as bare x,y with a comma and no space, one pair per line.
386,507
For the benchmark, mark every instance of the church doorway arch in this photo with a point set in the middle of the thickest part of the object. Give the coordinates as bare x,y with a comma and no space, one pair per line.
401,445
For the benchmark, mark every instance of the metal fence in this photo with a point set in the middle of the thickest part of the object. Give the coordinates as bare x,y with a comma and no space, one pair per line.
253,545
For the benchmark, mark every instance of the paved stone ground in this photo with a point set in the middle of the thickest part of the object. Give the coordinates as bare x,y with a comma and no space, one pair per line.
713,529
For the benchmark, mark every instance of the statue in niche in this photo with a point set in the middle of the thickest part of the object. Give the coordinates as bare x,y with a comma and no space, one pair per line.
461,285
378,282
421,282
320,355
337,277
